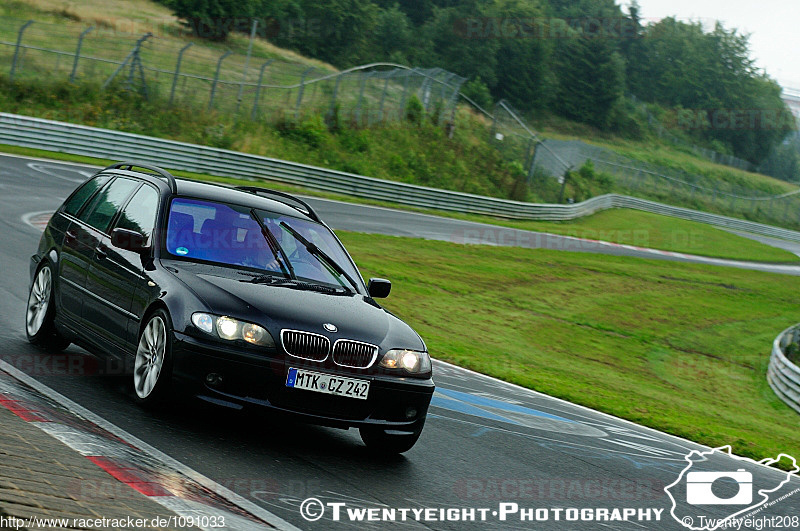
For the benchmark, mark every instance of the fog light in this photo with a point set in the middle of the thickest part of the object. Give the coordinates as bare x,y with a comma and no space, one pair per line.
411,412
214,379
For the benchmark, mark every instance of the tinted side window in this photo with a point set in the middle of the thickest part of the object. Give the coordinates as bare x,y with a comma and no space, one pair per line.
140,213
105,204
84,192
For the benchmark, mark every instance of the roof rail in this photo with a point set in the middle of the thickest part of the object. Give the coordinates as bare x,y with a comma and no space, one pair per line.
161,172
304,207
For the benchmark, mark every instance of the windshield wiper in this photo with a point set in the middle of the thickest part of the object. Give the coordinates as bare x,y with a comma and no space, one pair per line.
320,255
275,247
272,280
265,279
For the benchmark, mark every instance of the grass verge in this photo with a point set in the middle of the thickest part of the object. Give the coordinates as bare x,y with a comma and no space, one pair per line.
621,226
681,348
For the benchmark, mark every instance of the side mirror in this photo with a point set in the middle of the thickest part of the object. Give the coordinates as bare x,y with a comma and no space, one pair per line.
128,240
379,288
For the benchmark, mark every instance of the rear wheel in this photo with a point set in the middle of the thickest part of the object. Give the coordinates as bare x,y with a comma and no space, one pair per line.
152,368
40,313
377,440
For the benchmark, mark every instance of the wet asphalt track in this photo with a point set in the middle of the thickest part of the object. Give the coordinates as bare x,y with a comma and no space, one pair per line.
485,442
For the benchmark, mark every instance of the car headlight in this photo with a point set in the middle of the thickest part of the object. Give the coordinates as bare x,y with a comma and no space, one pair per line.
412,361
232,329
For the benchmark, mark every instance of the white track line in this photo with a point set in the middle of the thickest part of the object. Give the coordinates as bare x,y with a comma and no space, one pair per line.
537,394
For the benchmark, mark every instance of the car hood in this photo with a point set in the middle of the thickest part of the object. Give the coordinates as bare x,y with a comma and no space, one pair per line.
278,307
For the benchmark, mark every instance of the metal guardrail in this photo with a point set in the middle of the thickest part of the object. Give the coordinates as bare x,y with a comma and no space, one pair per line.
50,135
783,376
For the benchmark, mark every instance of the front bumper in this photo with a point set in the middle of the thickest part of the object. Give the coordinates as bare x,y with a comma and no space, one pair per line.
256,378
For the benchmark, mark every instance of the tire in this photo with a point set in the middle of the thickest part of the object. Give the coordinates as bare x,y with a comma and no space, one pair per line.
40,313
152,366
377,440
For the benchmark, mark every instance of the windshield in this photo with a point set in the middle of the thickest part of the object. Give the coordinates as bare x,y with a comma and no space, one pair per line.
227,234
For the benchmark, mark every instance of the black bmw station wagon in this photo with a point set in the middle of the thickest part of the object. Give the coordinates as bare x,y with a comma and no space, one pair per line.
243,294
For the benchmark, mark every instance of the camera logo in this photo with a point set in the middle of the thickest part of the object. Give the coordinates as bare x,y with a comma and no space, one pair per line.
698,488
735,487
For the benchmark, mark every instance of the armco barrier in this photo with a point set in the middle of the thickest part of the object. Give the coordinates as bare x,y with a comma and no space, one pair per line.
783,375
115,145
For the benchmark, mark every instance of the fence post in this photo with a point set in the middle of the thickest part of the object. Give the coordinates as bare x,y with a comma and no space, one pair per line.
532,167
216,79
364,76
454,104
136,65
133,55
493,129
563,185
177,71
445,83
246,64
254,113
528,147
16,50
404,97
78,53
383,95
332,109
300,92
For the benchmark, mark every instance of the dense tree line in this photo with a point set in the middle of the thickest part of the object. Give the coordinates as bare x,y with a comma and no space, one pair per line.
578,58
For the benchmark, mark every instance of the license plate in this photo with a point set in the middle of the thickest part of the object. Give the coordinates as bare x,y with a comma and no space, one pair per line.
327,383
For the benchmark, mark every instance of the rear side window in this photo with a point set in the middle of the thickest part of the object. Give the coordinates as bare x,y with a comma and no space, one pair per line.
83,193
100,211
139,215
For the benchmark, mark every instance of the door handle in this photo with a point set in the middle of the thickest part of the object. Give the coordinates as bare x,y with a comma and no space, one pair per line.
70,236
100,253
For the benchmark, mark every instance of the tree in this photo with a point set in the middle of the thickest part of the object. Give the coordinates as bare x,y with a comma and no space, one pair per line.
337,31
577,10
215,19
394,35
418,11
477,91
524,56
632,49
453,50
591,80
713,75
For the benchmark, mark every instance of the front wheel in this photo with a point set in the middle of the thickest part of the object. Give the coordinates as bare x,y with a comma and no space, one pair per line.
377,440
152,368
40,314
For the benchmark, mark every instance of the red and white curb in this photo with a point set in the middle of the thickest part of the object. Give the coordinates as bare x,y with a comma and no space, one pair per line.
129,460
37,220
